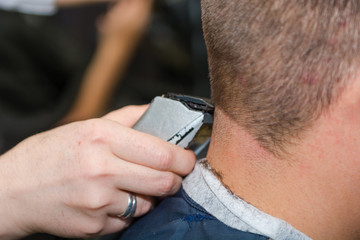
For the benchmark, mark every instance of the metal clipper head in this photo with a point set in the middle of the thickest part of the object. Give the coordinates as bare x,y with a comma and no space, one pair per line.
180,119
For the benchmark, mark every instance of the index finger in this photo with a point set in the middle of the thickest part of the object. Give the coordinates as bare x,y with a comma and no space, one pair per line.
147,150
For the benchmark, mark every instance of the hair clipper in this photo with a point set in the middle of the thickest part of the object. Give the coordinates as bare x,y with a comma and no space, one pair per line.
180,119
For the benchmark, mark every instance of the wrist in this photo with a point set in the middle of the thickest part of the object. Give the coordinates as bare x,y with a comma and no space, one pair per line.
11,220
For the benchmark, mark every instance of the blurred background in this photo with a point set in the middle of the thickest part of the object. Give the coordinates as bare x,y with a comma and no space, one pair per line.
84,61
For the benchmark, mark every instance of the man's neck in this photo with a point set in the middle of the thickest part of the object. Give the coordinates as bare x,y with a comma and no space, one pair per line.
291,189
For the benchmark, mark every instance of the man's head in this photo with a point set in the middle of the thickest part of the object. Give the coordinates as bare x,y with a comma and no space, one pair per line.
282,72
276,65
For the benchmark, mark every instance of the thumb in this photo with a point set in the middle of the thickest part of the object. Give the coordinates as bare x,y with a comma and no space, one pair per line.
127,116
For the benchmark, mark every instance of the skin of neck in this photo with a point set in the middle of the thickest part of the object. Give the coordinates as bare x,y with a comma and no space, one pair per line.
315,188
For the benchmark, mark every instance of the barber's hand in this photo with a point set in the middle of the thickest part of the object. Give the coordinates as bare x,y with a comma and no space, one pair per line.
72,181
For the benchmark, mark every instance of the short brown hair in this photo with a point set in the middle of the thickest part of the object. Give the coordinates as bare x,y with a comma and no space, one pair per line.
276,65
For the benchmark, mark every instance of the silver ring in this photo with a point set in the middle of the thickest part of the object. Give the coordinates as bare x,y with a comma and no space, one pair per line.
131,207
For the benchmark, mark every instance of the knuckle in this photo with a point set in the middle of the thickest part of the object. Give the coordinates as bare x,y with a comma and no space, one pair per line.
91,167
93,228
90,148
95,203
93,131
167,184
96,168
165,158
95,199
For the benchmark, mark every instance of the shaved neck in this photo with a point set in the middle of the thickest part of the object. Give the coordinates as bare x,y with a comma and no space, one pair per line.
301,189
242,164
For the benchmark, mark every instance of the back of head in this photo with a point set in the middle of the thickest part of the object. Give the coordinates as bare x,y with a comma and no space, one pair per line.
276,65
